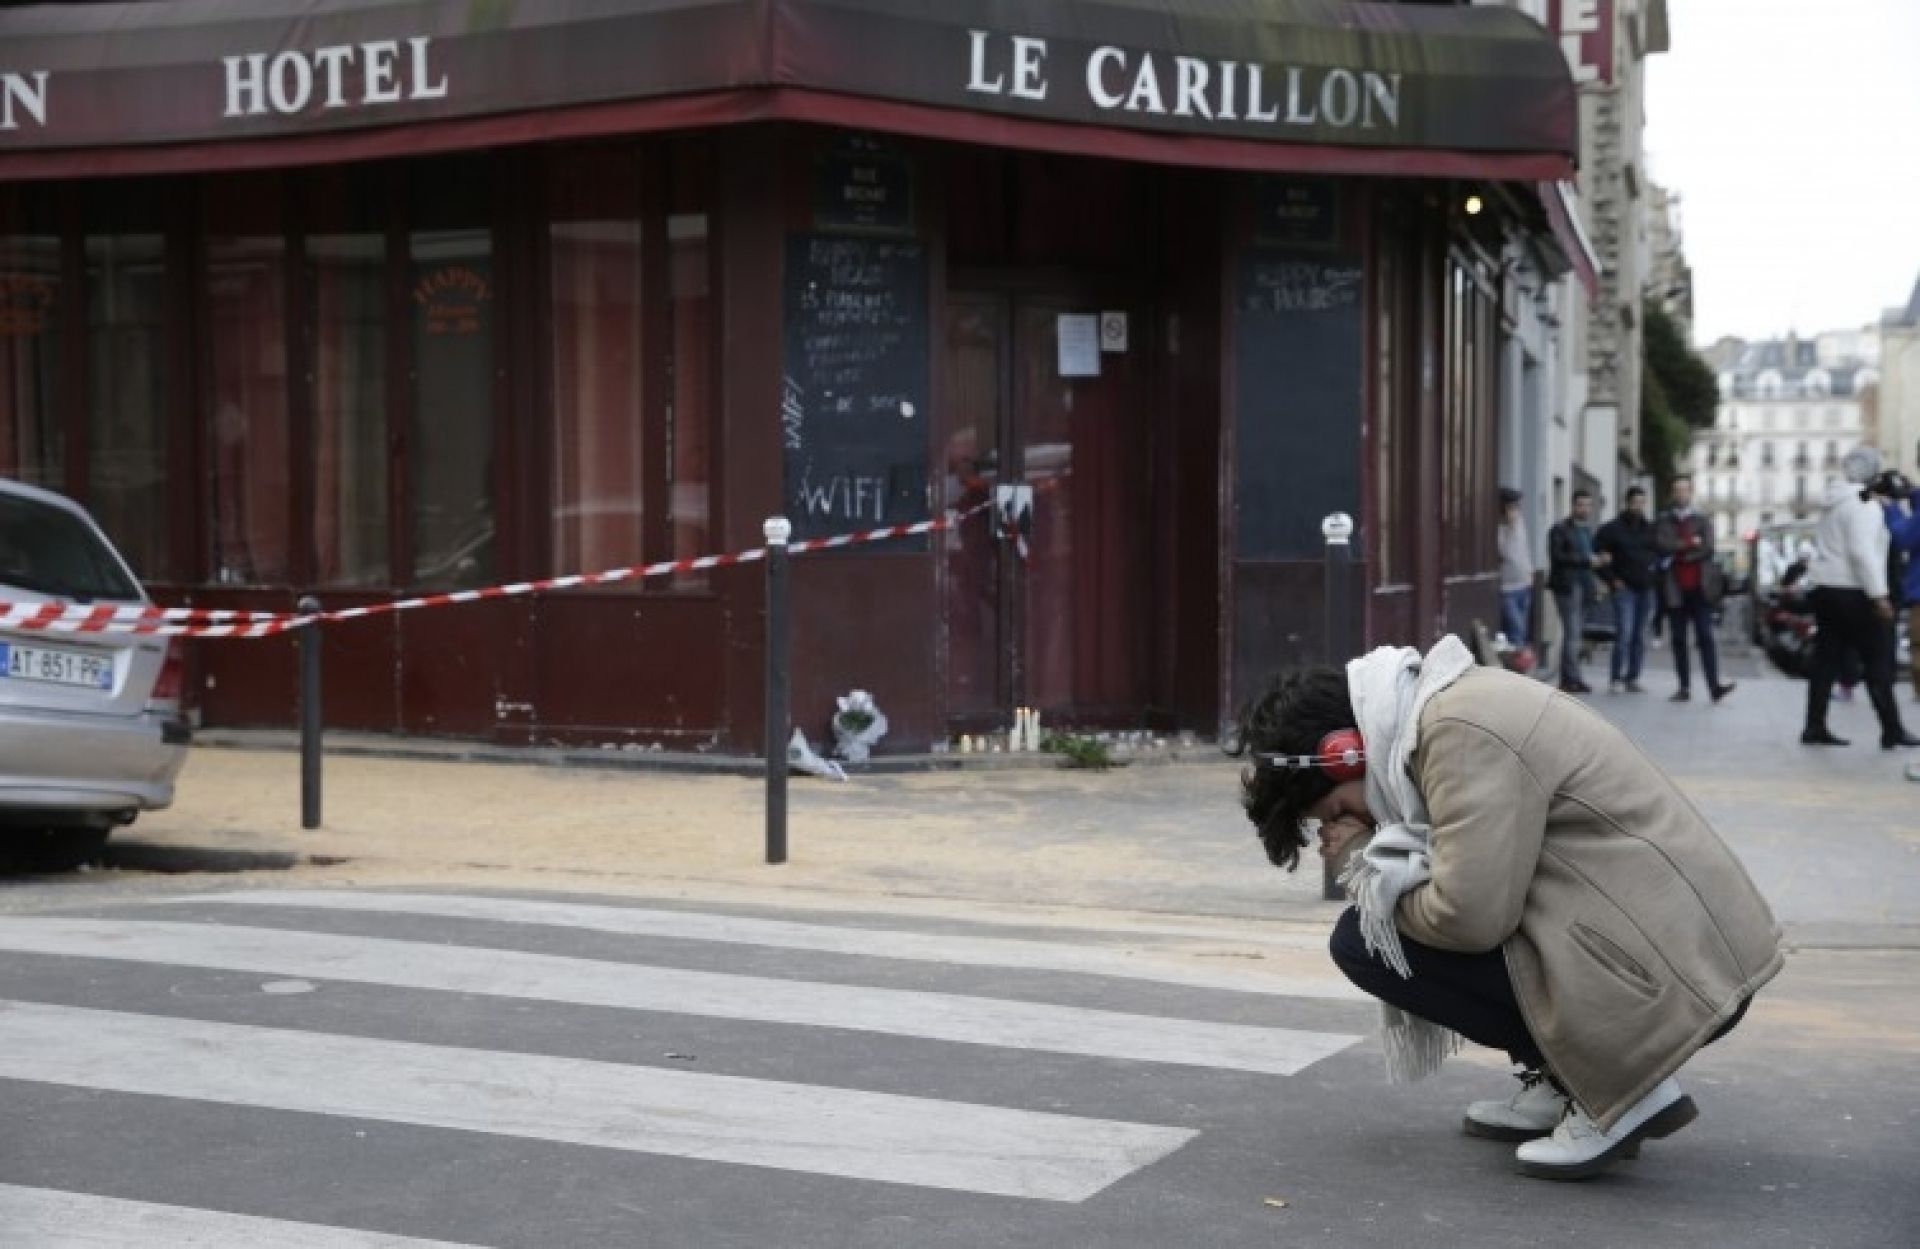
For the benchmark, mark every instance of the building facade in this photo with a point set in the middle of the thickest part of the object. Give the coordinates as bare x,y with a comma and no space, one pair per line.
1790,409
1573,374
340,307
1899,423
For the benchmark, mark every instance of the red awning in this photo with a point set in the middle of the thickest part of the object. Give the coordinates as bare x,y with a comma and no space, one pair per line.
1563,218
1278,85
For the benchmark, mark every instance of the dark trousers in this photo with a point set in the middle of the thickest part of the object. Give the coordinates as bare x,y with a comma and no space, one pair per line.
1847,627
1469,993
1695,610
1572,604
1631,610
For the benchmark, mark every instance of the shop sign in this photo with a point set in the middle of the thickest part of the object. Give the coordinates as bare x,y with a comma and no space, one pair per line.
450,298
1303,212
344,75
23,95
1117,80
863,185
214,70
1585,31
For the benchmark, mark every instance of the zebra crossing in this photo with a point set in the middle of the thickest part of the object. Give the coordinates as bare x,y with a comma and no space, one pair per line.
447,1025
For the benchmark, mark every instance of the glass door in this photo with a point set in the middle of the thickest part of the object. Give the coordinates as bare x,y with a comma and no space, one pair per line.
1048,597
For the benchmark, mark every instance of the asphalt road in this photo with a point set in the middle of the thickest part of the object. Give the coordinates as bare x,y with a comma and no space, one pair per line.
341,1067
981,1010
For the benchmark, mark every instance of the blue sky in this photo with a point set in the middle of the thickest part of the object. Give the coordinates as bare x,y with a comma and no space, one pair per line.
1792,130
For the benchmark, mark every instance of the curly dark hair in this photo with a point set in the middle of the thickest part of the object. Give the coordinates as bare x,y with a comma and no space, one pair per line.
1298,710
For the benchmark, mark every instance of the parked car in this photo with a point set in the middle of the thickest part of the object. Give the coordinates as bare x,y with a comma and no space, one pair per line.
91,732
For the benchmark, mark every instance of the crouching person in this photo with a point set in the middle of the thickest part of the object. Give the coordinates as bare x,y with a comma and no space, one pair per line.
1525,878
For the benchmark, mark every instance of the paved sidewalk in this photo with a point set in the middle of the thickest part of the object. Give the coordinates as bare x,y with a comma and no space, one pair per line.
1832,835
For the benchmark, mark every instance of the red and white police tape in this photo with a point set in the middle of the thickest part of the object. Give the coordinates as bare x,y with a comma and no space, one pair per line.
217,623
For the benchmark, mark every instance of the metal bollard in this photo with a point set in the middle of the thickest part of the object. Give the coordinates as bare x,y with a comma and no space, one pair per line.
1337,530
777,530
310,718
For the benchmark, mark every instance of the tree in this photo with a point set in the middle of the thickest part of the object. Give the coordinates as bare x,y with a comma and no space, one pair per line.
1678,394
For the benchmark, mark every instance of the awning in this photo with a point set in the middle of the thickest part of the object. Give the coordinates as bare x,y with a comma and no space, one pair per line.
1253,84
1561,201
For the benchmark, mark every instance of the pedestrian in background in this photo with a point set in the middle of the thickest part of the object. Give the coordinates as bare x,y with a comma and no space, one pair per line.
1692,588
1632,564
1571,561
1852,611
1516,569
1901,501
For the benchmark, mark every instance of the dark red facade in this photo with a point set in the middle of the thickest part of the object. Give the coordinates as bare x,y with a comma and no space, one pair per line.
364,378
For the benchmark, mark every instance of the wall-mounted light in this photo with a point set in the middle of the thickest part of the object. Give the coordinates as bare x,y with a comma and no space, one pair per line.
1473,205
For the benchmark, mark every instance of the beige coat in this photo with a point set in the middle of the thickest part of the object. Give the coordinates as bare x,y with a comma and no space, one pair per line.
1630,930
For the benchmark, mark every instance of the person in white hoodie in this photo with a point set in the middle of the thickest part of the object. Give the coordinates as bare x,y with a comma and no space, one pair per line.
1851,609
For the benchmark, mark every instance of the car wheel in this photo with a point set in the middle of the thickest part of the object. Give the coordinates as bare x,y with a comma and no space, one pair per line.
61,849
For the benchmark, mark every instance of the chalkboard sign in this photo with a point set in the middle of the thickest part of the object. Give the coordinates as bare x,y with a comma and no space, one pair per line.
853,411
1298,383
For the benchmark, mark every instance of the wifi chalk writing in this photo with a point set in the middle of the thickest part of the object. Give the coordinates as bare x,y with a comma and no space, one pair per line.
855,391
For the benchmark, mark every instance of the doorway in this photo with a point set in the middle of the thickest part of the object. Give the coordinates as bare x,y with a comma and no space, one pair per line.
1048,597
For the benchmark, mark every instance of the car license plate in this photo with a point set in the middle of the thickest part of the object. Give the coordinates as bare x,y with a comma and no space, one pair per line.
56,665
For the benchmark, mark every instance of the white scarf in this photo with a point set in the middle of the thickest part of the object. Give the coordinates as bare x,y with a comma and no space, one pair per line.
1389,688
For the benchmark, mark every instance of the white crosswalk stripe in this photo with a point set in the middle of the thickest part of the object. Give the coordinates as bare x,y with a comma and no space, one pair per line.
890,943
829,1130
45,1218
865,1136
591,982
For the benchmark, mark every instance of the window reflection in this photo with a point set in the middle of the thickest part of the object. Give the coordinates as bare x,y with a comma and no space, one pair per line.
347,282
451,451
126,398
597,452
32,448
247,408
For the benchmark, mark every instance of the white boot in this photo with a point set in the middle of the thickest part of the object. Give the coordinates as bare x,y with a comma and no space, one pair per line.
1579,1149
1530,1113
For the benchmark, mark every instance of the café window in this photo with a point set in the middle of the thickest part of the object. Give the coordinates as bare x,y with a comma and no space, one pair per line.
346,286
450,303
693,359
631,325
246,394
599,343
127,377
32,439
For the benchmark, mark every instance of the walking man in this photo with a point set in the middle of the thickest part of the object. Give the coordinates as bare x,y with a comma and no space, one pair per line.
1632,562
1571,561
1692,588
1852,612
1516,569
1530,880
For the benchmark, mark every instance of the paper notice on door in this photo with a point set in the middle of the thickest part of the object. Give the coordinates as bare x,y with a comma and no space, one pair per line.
1079,336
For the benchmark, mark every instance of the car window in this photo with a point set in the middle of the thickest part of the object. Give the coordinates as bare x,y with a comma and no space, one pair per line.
51,551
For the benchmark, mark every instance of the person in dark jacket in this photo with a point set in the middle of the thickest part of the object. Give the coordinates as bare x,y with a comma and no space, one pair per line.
1572,559
1903,529
1692,588
1632,566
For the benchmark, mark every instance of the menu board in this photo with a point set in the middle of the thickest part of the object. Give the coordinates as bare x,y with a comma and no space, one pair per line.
853,410
1298,382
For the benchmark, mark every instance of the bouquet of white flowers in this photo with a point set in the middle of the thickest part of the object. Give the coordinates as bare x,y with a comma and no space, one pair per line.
857,725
